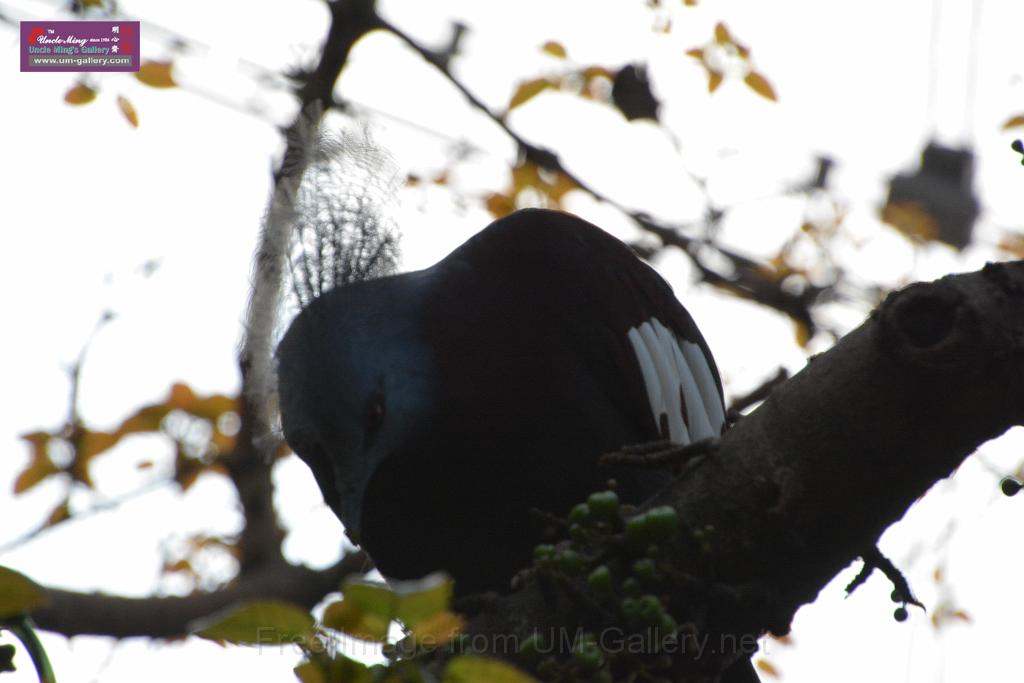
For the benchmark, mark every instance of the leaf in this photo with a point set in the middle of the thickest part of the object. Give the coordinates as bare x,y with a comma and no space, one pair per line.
261,622
337,669
499,205
128,109
690,3
80,94
156,74
470,669
766,668
760,85
803,333
554,49
696,53
40,465
714,80
530,89
722,36
348,617
90,443
59,514
422,599
437,629
912,219
1014,122
18,593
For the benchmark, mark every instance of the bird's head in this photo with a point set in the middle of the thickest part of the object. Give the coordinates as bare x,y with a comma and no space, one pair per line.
354,383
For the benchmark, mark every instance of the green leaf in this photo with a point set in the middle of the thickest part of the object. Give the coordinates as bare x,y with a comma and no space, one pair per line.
18,593
469,669
260,622
349,617
419,600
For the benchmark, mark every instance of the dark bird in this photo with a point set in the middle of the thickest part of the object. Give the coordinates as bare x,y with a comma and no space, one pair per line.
437,408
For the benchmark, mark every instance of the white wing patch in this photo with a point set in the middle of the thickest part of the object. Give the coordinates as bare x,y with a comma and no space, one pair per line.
680,387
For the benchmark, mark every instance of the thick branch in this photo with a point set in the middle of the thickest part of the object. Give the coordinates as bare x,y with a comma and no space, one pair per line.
72,613
800,487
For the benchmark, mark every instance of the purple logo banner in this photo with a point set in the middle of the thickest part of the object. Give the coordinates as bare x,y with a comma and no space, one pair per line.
79,46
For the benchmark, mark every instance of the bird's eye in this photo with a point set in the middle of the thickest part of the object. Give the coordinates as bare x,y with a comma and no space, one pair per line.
374,416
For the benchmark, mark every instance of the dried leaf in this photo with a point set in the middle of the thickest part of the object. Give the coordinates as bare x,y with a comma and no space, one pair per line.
554,49
128,109
40,465
696,53
714,80
722,36
766,668
499,205
80,94
156,74
760,85
530,89
1014,122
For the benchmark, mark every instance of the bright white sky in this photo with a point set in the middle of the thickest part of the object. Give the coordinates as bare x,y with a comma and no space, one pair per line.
90,200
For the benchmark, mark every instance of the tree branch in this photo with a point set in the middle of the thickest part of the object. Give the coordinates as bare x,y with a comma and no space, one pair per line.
72,613
797,490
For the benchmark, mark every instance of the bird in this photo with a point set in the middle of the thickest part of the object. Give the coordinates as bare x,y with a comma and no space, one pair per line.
439,409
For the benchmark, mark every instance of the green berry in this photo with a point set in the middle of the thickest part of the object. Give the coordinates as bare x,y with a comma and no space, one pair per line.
580,513
649,609
604,503
600,579
630,608
631,586
531,647
543,552
588,655
569,561
645,569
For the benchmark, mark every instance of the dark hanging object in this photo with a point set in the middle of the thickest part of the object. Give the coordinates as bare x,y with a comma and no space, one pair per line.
631,93
938,201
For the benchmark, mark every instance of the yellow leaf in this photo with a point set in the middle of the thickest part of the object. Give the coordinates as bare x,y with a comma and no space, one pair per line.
912,219
128,109
803,333
554,49
760,85
90,443
470,669
418,600
156,74
714,80
530,89
722,36
348,617
767,668
59,514
1014,122
499,205
260,622
1013,244
79,94
437,629
310,672
18,593
181,397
